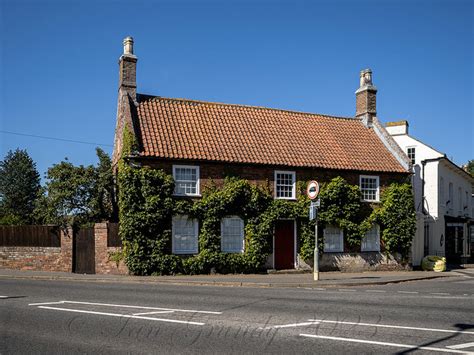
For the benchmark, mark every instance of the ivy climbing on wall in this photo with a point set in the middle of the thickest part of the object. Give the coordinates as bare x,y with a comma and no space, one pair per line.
147,205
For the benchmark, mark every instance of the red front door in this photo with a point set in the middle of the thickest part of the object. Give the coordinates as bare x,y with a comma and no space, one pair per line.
284,245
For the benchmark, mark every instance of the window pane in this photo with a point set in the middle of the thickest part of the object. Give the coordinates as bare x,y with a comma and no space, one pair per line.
185,235
186,180
369,188
333,239
284,185
371,241
232,234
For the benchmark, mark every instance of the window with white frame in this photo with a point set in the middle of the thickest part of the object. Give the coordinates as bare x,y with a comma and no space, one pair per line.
232,235
285,184
411,154
185,235
333,240
371,241
186,180
369,187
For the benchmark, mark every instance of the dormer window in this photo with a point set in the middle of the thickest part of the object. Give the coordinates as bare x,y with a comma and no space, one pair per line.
186,178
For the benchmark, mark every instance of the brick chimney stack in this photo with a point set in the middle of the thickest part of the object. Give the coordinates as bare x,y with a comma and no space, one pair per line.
366,98
128,69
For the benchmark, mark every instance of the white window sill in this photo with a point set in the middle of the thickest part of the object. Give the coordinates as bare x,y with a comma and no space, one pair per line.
286,198
185,252
182,195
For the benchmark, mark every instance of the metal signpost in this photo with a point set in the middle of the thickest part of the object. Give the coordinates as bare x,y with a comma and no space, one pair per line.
313,191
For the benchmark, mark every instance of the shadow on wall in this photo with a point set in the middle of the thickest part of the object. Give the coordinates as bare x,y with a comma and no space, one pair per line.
356,262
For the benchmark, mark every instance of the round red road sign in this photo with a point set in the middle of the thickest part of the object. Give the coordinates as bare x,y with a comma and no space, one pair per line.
312,190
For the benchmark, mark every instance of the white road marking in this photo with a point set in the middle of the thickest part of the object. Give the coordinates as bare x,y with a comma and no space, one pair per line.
129,306
396,345
290,325
347,290
121,315
3,296
156,312
413,292
46,303
461,346
377,291
319,289
392,326
439,293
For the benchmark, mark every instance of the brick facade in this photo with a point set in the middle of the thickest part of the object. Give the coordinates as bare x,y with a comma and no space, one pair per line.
215,173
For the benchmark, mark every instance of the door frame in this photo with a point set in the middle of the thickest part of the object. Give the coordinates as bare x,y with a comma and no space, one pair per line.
295,261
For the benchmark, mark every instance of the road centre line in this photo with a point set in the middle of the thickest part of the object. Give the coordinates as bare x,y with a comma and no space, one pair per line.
289,325
347,290
128,306
396,345
376,291
121,315
412,292
392,326
3,296
461,346
45,303
156,312
439,293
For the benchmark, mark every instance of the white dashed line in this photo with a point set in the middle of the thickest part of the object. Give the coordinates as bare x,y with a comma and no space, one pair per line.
376,291
347,290
461,346
392,326
156,312
291,325
396,345
439,293
412,292
120,315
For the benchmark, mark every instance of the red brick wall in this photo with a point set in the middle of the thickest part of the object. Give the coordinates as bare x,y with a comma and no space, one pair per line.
264,175
103,264
39,258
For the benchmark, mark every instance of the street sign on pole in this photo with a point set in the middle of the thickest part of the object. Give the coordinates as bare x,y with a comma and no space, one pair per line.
313,191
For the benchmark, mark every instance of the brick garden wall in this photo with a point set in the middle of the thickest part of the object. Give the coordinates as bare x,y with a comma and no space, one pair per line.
103,253
39,258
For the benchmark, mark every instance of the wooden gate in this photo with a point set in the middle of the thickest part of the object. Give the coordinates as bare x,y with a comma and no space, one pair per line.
83,255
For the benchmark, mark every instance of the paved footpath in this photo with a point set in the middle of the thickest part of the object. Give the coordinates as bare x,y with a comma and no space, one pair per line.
327,279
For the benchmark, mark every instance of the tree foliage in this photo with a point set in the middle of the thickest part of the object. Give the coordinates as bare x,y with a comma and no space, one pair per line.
470,167
19,188
78,195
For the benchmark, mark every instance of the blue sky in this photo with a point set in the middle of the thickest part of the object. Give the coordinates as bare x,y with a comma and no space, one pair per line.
59,71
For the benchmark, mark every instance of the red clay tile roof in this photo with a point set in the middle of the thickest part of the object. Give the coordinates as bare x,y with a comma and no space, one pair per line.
186,129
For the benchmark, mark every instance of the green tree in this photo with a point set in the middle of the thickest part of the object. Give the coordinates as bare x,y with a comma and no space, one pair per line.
470,167
19,188
78,195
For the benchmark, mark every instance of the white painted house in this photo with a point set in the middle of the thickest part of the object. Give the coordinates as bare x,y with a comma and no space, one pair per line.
443,200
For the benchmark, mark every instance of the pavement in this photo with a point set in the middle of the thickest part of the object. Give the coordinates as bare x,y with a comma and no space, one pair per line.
292,280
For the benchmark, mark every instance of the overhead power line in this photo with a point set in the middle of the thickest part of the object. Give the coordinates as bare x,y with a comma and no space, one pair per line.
56,139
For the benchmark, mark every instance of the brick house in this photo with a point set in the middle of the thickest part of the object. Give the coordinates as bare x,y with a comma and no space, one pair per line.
199,142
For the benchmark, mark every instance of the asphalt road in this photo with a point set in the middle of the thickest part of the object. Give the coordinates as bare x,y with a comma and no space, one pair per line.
432,316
